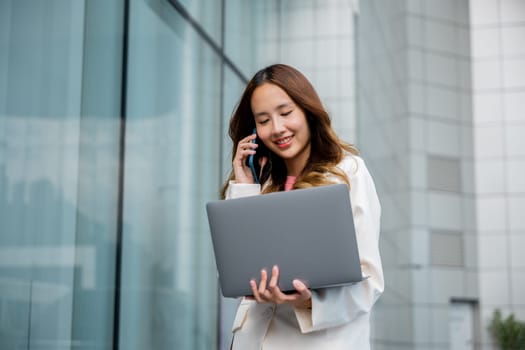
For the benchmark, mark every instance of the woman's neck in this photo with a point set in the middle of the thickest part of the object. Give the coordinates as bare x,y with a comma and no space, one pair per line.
296,165
294,169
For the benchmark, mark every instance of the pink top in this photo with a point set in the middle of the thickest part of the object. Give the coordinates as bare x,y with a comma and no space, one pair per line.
290,181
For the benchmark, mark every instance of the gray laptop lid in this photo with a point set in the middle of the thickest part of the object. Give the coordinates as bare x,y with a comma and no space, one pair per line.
308,233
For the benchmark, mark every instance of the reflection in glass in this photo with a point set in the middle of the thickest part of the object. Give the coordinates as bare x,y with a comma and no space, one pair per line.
57,225
207,13
232,90
169,291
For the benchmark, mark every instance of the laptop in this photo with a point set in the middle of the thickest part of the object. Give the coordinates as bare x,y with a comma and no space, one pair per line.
308,233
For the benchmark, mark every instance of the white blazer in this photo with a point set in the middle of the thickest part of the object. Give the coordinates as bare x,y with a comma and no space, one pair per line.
340,316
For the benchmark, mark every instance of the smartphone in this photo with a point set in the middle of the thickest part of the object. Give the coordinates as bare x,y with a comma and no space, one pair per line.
253,163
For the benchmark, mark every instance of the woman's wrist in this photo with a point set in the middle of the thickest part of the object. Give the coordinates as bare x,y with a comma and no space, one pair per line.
305,304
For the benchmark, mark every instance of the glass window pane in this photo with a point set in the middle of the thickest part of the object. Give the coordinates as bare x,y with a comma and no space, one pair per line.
207,13
251,34
172,168
232,87
57,178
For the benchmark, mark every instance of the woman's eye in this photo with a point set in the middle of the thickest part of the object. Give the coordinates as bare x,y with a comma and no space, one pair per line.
286,113
264,121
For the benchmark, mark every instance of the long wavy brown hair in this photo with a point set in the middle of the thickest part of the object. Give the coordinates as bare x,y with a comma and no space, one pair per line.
327,150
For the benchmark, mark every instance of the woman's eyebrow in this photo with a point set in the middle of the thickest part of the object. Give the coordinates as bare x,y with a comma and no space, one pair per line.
260,114
284,105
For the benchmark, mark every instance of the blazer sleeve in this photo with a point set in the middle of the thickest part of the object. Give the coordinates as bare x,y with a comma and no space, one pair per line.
336,306
238,190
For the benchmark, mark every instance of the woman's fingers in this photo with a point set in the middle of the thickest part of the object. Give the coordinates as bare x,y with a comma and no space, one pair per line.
302,289
268,291
274,293
243,151
259,291
255,292
246,145
304,295
275,277
263,283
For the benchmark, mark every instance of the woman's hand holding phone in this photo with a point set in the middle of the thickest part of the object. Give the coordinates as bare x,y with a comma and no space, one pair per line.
245,148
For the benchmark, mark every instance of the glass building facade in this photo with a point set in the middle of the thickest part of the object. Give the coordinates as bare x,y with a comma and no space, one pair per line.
111,129
113,136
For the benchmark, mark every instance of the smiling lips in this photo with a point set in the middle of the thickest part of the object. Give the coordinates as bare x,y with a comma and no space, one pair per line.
283,142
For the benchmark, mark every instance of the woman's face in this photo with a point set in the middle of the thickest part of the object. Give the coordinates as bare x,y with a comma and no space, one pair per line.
281,126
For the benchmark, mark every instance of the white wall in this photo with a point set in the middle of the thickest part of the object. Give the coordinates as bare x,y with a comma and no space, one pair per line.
498,89
415,128
316,37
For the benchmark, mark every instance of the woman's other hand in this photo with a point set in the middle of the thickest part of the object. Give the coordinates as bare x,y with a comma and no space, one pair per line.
269,291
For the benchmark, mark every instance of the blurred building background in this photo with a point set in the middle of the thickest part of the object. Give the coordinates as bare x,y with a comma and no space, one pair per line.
113,119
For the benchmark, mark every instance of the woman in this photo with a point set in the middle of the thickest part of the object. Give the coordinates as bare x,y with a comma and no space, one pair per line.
295,147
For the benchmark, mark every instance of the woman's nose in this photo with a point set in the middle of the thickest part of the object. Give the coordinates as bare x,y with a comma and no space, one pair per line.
278,126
